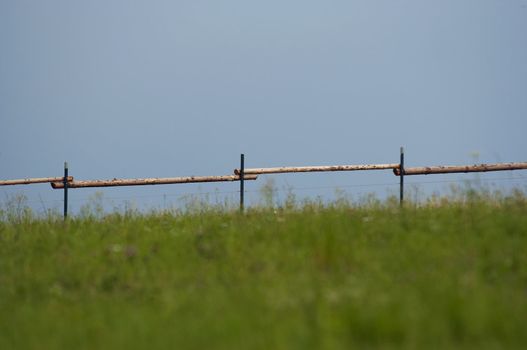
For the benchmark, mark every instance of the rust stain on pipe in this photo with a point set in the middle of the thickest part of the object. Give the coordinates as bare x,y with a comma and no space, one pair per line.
451,169
34,180
150,181
320,168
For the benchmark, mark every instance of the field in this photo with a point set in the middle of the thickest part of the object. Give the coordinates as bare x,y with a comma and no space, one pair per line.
443,274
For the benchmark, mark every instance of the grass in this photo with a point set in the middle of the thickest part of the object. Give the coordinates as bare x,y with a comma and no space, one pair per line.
443,274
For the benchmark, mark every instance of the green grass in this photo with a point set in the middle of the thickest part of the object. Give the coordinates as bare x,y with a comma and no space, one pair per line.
445,274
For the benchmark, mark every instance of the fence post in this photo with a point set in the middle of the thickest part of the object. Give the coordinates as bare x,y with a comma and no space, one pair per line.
65,181
242,178
401,178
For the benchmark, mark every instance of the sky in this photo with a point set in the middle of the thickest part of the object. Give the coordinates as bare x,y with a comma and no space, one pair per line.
128,89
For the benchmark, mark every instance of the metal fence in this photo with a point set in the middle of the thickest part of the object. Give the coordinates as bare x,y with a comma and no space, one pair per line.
243,174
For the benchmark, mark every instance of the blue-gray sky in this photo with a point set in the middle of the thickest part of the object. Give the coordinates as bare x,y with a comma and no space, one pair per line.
174,88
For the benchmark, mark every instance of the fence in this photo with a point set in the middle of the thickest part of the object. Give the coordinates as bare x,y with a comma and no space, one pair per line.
242,174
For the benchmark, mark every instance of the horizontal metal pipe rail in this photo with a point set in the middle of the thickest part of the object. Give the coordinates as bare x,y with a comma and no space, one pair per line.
321,168
37,180
150,181
450,169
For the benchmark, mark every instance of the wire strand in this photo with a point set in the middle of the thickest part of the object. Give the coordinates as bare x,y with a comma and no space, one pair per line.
279,190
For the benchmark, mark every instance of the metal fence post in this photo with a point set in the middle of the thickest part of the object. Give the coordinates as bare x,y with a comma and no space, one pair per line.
401,178
242,178
65,181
